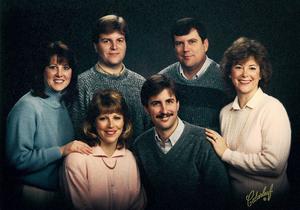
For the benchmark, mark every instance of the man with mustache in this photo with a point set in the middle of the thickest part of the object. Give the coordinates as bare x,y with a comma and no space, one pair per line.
199,78
109,39
178,167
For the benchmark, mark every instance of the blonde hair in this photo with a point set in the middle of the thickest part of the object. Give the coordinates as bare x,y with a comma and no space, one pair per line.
103,102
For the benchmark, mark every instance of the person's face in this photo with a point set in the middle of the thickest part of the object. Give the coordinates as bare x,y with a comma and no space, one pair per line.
190,50
111,48
245,76
109,127
163,109
57,75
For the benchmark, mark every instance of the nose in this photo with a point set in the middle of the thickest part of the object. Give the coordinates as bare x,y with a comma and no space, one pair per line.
113,45
245,72
186,47
163,108
110,123
59,71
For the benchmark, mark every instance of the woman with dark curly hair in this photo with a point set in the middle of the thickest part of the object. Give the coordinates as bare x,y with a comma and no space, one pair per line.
109,177
256,133
39,129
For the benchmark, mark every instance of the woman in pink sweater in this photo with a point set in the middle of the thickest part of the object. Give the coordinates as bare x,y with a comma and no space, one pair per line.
255,127
108,178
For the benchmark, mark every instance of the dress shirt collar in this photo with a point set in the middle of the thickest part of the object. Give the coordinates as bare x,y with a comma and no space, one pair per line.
98,151
175,135
201,71
252,103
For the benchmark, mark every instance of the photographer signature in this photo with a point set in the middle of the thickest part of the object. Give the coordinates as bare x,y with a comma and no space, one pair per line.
254,196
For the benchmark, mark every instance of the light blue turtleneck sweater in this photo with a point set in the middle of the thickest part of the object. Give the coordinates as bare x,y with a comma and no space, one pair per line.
36,128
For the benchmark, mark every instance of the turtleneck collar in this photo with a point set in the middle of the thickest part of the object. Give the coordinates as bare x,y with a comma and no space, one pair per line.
54,99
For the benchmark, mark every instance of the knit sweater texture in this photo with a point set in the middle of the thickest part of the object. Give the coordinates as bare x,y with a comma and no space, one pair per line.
128,83
200,99
189,176
36,128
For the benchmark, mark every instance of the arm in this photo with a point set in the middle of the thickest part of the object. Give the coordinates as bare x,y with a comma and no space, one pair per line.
139,200
215,180
21,153
276,140
75,183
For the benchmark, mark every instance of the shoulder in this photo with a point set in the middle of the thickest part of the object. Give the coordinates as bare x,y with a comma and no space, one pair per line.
194,130
272,106
75,161
129,156
270,101
226,108
135,76
27,104
144,138
214,66
86,74
170,69
195,134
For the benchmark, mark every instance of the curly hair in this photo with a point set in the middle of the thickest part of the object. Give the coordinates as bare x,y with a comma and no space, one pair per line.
242,49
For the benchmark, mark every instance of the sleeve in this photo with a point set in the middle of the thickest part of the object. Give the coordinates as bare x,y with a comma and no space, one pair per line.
139,200
216,179
74,181
79,108
21,152
276,140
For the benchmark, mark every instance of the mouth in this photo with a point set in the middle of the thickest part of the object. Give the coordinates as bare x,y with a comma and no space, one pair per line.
164,117
58,81
187,56
110,132
114,54
244,82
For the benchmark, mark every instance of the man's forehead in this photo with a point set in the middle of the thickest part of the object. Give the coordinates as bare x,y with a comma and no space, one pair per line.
163,95
193,33
113,34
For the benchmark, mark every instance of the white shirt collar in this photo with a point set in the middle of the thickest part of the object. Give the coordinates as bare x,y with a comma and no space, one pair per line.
251,103
175,135
201,71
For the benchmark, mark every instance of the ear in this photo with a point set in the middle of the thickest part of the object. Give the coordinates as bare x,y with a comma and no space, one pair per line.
146,109
178,105
95,47
206,44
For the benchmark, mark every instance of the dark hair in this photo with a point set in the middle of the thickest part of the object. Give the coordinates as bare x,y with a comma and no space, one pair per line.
156,84
242,49
103,102
64,54
109,24
183,26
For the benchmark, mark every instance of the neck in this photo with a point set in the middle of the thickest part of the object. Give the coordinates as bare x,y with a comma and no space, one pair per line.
108,149
244,98
112,70
190,72
165,134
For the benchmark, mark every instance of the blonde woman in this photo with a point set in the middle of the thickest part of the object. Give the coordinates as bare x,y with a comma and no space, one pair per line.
109,177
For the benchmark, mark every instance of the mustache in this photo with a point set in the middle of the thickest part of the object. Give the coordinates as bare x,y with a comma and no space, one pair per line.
162,115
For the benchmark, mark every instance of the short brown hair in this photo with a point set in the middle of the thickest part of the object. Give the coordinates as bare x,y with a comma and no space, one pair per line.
155,85
109,24
242,49
103,102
